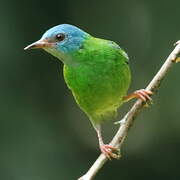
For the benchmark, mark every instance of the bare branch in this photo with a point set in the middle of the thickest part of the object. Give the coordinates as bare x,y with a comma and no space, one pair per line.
130,116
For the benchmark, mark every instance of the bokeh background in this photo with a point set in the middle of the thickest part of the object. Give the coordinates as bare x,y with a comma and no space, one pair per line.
43,133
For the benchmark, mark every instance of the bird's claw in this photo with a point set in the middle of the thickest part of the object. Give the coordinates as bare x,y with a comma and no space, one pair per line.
110,151
144,95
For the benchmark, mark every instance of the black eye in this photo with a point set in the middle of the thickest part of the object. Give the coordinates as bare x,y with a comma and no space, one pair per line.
60,37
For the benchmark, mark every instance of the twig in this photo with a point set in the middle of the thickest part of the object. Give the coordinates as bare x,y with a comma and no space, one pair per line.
130,116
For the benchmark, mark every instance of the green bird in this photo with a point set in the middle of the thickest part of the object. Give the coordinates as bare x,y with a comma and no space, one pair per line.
95,70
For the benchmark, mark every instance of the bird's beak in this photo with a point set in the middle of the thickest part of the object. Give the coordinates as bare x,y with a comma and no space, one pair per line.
39,44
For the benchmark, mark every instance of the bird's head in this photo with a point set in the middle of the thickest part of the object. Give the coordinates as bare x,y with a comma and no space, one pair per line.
61,40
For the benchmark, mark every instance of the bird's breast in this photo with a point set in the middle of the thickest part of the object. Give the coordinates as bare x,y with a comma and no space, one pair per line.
97,88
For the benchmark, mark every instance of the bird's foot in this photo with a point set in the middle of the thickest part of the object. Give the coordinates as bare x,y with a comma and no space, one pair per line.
142,94
110,151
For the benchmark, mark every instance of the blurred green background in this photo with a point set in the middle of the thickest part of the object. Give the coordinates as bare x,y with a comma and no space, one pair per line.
43,133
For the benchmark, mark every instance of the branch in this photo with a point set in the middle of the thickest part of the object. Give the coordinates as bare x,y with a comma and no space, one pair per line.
128,119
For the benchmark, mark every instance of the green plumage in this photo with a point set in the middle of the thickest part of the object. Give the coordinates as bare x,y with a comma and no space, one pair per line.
96,71
98,78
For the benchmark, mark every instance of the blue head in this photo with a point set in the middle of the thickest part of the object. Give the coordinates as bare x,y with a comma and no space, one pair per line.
61,40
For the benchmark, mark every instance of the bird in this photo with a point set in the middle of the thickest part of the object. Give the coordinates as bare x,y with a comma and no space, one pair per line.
96,71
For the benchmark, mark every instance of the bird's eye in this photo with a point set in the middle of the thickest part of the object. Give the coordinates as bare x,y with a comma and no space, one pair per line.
60,37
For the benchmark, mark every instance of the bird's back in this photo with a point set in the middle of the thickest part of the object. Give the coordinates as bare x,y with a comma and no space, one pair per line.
99,78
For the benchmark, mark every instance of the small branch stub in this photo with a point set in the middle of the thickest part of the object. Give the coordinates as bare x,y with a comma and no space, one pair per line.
128,119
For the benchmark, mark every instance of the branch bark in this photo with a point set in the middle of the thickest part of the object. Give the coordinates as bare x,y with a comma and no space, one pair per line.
128,119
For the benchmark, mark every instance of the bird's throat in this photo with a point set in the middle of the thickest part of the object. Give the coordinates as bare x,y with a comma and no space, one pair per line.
64,58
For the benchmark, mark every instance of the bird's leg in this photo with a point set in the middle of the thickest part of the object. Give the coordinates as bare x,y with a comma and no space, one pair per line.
108,150
142,94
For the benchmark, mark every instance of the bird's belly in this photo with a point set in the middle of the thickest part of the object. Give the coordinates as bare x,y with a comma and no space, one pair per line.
98,97
97,93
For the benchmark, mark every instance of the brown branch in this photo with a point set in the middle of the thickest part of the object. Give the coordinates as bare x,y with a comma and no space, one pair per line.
128,119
